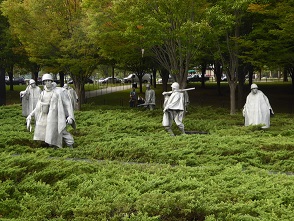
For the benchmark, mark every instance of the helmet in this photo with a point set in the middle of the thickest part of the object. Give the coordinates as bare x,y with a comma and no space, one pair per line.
175,85
47,77
65,86
32,81
254,86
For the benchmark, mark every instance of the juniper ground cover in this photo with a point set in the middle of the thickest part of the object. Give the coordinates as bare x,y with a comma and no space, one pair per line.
126,167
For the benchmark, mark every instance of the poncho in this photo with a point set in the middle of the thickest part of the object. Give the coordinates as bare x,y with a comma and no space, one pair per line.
257,109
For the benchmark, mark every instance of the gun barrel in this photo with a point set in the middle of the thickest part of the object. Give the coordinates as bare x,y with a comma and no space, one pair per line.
187,89
180,90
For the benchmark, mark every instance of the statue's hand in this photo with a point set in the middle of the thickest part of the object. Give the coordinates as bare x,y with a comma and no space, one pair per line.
69,120
28,120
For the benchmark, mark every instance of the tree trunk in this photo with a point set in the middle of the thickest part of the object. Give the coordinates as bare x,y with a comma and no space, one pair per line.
203,71
10,74
241,78
250,73
61,77
2,87
285,75
218,75
165,77
80,89
35,70
36,76
112,71
140,76
292,82
232,86
290,72
154,77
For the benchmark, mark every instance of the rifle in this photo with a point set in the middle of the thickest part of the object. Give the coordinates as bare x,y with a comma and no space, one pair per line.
180,90
145,104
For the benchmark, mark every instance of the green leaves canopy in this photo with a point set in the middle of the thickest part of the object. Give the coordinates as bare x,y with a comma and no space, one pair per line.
172,30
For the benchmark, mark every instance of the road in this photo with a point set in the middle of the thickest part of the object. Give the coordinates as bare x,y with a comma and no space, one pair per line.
107,90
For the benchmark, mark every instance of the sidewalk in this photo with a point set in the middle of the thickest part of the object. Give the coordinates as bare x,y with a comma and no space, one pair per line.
107,90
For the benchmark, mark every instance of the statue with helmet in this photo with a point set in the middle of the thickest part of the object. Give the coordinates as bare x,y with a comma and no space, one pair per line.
174,108
149,98
72,96
52,114
257,109
29,97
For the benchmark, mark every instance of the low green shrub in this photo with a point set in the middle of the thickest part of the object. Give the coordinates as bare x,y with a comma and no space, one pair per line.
125,166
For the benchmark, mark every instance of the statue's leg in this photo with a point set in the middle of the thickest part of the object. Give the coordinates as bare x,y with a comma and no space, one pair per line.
167,122
179,121
169,130
68,138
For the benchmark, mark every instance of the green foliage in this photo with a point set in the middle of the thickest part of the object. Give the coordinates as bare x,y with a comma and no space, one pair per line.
124,166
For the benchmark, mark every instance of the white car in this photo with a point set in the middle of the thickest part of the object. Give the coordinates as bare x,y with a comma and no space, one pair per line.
114,80
134,78
100,80
170,80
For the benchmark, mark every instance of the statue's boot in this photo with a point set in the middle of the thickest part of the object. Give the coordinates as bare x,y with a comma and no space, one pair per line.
182,130
169,130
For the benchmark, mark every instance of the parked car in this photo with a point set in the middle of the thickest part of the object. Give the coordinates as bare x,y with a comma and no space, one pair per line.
108,80
134,78
39,81
6,79
88,81
196,78
224,77
16,81
170,80
100,80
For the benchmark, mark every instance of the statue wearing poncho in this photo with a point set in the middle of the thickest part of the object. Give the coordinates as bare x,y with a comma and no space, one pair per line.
257,109
29,98
174,108
53,111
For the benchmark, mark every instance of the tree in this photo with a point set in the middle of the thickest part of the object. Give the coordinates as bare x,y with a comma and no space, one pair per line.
171,30
6,54
271,41
227,19
53,34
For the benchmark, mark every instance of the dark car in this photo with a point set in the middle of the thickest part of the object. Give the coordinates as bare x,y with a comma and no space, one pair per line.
196,78
16,81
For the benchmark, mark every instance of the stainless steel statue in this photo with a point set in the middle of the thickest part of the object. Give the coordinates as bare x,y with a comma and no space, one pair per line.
52,114
149,98
257,109
72,96
174,108
29,97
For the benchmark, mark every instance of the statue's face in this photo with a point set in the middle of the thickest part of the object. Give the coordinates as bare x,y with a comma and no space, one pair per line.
254,90
33,85
48,84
